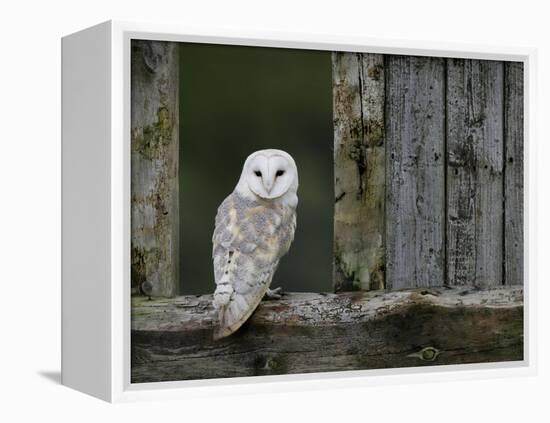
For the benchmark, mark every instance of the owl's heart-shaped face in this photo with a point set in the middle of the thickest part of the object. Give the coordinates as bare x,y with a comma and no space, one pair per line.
270,173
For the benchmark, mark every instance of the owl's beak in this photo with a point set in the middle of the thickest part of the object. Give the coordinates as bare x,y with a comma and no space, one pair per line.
268,184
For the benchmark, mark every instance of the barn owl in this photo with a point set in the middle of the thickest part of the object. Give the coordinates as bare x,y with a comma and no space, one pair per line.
254,228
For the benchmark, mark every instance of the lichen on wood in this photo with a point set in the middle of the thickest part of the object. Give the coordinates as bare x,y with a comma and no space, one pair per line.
154,167
358,100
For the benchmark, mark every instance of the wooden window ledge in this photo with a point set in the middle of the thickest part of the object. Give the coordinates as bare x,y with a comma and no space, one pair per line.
311,332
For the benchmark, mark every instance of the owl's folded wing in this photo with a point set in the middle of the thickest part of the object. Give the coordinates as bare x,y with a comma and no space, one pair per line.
242,273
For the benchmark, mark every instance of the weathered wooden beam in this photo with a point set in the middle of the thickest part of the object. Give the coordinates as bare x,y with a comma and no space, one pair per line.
513,173
154,152
475,150
303,332
359,176
415,171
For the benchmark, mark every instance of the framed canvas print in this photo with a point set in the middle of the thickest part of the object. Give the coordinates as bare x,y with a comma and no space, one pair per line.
238,206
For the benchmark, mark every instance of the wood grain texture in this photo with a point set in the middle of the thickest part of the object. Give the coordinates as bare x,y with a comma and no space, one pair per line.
475,151
154,152
359,176
302,333
415,172
513,173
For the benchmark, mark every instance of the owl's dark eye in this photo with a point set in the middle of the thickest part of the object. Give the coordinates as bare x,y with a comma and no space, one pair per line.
280,173
258,173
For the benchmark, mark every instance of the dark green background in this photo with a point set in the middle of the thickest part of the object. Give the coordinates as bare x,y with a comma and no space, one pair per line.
236,100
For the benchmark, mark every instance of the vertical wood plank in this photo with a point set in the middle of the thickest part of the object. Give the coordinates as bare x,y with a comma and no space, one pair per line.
154,180
358,101
415,195
475,172
513,173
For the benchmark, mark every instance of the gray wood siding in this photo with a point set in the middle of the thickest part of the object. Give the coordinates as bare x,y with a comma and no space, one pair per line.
475,149
415,195
359,156
439,144
154,150
513,173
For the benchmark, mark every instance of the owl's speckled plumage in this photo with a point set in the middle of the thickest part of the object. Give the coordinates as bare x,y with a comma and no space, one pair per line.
253,230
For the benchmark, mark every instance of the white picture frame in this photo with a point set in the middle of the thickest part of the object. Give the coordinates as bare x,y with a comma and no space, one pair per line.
96,213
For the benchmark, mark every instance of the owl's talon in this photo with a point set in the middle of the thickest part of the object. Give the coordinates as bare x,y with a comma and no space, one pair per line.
274,294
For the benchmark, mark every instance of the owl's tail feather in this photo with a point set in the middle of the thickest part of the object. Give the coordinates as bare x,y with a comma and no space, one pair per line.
222,297
223,293
222,329
231,316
